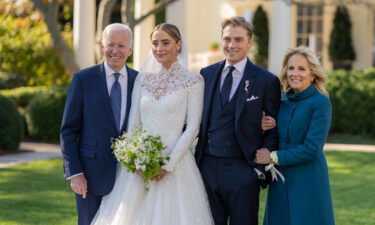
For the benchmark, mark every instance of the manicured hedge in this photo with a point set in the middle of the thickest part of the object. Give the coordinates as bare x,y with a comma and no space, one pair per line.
353,101
44,114
23,95
11,123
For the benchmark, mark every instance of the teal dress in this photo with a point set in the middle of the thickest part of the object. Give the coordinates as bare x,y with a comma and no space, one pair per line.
305,197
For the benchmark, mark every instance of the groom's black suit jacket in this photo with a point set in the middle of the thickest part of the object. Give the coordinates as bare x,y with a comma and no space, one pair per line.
263,94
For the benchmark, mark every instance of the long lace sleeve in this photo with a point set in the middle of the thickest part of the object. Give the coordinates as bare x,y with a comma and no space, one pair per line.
193,120
135,115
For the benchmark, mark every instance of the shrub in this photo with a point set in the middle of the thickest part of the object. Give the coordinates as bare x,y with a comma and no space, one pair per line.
23,95
341,50
44,114
353,95
11,124
261,36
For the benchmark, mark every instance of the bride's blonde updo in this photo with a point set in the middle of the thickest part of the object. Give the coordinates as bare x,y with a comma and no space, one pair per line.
170,29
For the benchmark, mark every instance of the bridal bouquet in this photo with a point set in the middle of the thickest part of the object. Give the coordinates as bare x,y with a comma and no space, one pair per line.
140,153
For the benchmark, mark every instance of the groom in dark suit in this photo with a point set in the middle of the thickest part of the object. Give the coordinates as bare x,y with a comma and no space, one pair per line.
96,110
237,92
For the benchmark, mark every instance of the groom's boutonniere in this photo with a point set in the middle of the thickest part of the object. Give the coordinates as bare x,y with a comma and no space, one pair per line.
247,82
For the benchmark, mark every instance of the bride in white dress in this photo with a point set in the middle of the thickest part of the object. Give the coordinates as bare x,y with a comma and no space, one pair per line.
166,98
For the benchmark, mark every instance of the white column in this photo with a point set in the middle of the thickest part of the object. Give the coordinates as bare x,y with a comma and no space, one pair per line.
176,14
84,32
142,43
280,34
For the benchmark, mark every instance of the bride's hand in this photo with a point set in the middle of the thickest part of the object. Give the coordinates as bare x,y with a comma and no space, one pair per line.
160,176
139,172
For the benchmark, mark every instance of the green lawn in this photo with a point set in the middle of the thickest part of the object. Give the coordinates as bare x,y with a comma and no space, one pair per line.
36,193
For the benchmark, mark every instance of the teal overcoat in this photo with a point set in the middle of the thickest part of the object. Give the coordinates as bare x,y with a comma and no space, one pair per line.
305,198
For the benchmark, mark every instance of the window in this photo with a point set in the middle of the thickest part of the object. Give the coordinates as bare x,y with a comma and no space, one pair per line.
310,27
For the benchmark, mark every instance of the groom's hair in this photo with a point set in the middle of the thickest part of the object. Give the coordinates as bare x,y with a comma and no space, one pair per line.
238,21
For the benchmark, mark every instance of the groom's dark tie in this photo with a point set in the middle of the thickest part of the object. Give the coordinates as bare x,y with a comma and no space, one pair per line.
227,86
116,100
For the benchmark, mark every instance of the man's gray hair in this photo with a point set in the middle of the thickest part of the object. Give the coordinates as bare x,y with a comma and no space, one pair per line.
116,26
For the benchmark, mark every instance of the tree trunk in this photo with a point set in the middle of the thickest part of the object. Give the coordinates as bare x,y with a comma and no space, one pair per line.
104,17
50,13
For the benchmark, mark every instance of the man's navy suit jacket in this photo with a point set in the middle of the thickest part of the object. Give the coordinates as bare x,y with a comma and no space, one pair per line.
259,91
88,126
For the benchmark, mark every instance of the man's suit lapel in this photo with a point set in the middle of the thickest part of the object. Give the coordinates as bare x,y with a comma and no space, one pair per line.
103,90
210,83
245,90
131,79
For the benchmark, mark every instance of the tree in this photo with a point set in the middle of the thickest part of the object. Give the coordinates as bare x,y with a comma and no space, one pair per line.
261,35
49,10
341,50
127,17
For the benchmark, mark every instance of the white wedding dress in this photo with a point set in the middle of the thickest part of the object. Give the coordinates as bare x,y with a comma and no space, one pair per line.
162,103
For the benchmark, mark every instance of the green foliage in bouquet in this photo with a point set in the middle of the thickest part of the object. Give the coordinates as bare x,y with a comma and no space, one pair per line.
140,153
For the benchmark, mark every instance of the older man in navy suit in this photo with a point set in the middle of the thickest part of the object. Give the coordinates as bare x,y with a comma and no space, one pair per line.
237,92
96,110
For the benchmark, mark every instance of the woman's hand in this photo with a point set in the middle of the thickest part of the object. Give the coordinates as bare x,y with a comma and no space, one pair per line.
160,176
268,122
263,156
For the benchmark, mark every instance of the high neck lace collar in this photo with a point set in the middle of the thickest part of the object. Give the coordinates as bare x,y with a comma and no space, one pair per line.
175,66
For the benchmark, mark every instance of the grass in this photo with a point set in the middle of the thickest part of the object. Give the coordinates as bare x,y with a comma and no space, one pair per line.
36,193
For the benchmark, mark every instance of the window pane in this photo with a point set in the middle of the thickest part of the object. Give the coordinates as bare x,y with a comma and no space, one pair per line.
309,26
319,10
319,44
299,41
300,26
309,10
319,26
300,10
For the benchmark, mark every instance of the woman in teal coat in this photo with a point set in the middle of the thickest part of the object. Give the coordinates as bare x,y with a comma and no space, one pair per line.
304,198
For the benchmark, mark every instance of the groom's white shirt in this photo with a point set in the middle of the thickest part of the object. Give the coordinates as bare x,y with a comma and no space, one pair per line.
237,74
123,79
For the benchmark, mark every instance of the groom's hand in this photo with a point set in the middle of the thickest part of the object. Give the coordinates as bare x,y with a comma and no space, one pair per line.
79,185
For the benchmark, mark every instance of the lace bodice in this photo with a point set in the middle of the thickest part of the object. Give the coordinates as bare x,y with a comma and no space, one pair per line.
169,80
163,102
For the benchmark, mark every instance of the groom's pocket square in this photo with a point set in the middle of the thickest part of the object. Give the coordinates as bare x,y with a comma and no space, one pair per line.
252,98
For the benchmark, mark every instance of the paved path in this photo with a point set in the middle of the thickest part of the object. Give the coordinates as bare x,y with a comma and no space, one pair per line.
349,148
31,151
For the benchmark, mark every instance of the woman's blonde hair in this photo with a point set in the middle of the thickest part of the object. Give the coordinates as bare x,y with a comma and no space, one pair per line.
320,77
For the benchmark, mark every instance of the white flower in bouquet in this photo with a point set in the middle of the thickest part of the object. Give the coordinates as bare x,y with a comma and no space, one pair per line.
141,153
